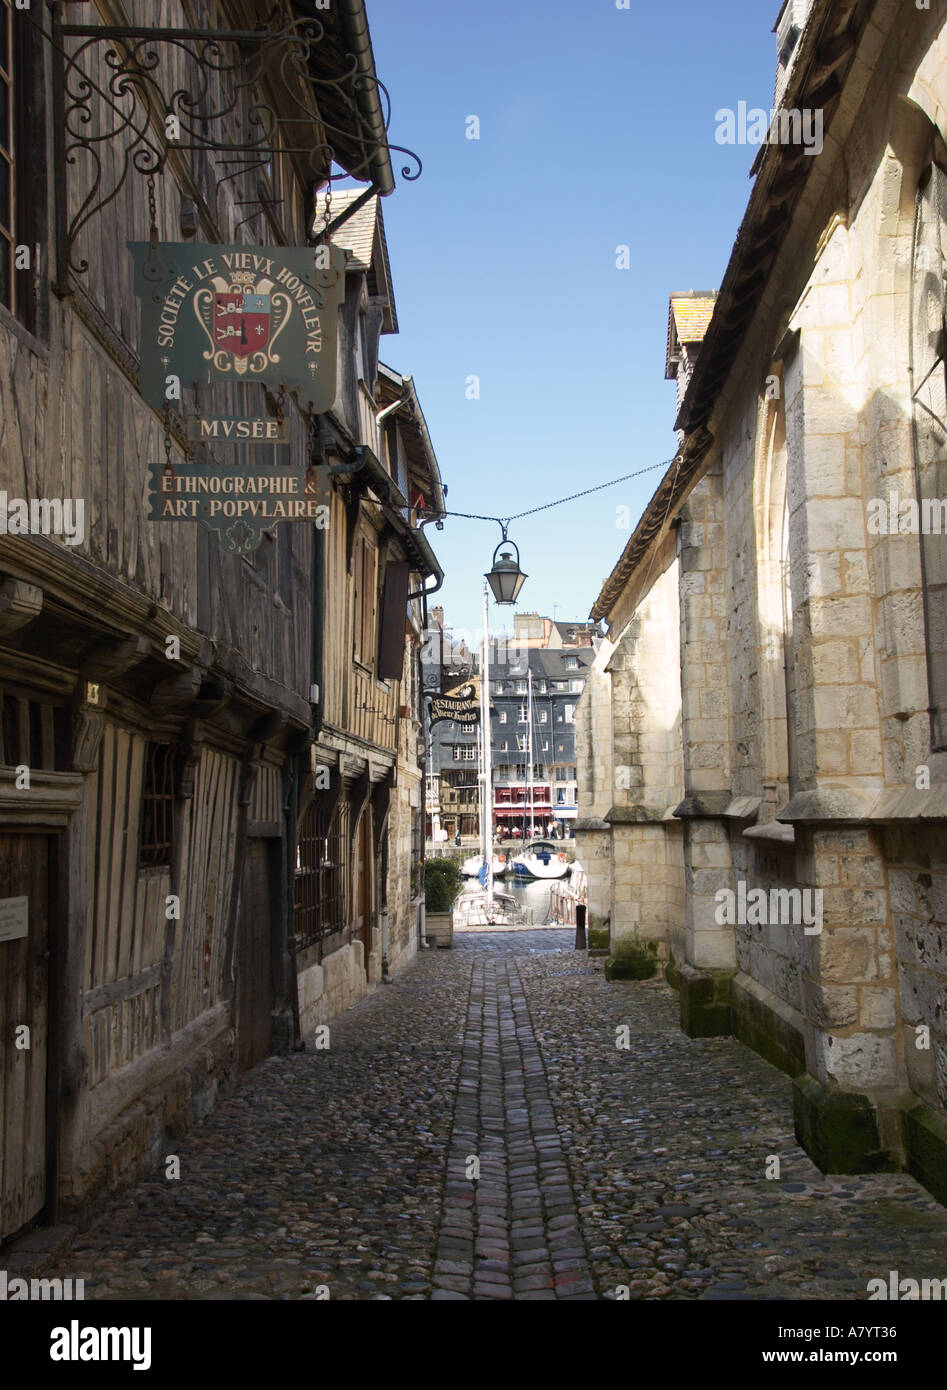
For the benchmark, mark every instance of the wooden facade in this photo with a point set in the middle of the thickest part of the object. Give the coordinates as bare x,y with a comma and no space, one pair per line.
175,717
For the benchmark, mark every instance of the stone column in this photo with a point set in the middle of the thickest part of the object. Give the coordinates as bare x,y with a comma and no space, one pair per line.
710,952
844,1102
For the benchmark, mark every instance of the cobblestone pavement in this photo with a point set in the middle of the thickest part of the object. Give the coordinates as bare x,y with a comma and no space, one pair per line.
601,1169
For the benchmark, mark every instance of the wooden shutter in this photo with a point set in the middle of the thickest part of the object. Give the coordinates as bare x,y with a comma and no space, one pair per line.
394,608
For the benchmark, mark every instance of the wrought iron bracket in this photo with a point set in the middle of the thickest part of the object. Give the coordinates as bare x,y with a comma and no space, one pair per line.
119,92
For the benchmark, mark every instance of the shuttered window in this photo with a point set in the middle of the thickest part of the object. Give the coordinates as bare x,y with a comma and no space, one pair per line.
365,602
22,164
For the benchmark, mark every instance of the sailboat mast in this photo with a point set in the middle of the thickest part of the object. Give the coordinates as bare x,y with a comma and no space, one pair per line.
485,743
529,753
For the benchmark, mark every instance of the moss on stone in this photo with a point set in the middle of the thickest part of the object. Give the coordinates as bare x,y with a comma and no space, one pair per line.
762,1028
705,1002
631,965
598,938
925,1139
838,1129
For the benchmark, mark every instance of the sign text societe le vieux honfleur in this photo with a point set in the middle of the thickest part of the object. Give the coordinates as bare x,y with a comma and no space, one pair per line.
238,314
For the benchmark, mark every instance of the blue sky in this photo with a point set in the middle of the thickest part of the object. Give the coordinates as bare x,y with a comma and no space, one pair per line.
597,131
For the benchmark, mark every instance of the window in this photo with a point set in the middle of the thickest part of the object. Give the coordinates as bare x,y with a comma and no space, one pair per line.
156,844
570,714
22,174
561,774
572,663
365,586
576,687
502,716
560,796
456,752
560,685
35,732
523,716
521,687
545,747
543,716
540,687
505,746
319,894
469,753
521,743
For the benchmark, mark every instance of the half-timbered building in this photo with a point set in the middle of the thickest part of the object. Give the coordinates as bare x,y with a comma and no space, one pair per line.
208,751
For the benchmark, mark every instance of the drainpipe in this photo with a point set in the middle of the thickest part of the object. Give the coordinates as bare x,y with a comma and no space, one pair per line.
386,978
389,409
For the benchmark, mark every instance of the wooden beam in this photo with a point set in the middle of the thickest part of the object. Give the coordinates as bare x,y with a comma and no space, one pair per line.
20,603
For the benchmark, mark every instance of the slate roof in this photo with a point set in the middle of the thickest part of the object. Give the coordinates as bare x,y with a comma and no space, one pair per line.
689,316
358,237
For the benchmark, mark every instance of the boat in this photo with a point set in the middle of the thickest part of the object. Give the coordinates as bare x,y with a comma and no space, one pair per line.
471,867
564,898
540,859
483,909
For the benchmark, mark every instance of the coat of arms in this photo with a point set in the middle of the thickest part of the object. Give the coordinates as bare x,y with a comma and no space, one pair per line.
242,317
267,314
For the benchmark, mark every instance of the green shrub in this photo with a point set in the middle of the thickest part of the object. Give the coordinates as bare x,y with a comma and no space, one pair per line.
441,884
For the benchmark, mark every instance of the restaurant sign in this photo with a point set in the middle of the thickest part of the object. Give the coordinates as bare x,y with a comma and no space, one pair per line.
461,704
239,313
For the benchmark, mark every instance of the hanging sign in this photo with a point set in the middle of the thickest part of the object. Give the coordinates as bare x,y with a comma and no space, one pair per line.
462,704
240,504
239,313
236,429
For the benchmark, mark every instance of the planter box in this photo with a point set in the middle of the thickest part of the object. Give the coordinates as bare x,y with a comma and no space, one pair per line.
439,928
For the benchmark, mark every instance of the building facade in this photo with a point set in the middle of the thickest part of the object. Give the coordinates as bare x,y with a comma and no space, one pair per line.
762,756
531,686
209,772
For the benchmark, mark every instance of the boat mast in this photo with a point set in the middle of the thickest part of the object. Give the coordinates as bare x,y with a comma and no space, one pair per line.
480,784
485,745
529,749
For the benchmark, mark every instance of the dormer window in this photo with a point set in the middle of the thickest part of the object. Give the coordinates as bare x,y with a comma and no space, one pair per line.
788,28
787,44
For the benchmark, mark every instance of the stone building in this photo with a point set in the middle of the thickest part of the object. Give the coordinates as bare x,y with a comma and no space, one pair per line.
209,762
762,742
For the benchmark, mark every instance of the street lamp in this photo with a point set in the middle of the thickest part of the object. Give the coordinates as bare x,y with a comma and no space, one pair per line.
506,578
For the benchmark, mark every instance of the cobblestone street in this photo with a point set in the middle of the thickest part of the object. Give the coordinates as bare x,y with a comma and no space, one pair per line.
599,1169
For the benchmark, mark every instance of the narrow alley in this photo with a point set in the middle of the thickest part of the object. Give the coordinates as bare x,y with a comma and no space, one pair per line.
342,1173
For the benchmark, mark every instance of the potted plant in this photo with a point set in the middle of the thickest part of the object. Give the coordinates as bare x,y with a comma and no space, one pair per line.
441,884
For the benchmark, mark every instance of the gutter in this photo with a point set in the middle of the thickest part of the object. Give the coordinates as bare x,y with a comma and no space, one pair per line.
353,22
826,53
440,502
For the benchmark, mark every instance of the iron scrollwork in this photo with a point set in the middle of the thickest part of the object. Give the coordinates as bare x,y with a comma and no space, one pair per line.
118,89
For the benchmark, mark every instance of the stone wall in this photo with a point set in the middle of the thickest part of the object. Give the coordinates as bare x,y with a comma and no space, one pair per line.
330,987
807,756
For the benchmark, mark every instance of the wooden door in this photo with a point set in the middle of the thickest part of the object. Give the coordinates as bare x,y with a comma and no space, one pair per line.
363,887
24,1005
254,990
